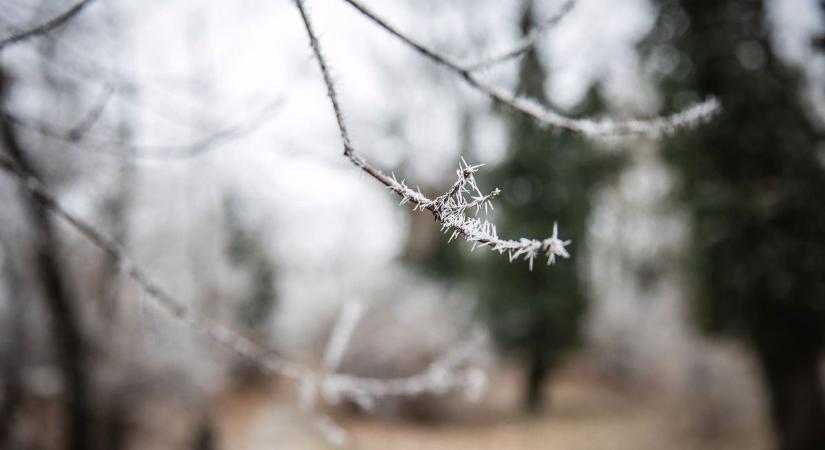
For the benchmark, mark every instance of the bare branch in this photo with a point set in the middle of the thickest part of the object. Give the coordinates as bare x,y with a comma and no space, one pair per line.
95,113
347,321
448,209
525,43
543,116
47,26
239,344
193,149
443,375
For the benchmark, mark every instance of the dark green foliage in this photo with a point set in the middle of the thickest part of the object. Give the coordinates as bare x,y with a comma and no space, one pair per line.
754,180
245,252
547,176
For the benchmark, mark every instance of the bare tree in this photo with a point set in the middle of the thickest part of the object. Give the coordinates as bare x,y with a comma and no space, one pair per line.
67,332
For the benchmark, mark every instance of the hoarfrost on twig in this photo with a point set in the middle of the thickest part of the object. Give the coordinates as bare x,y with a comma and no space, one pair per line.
542,115
448,209
451,209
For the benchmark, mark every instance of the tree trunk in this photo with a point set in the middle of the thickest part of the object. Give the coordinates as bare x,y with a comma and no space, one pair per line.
534,385
68,342
789,358
11,355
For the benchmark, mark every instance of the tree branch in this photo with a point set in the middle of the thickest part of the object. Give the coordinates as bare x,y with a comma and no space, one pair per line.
67,334
241,345
526,43
543,116
47,26
196,148
448,209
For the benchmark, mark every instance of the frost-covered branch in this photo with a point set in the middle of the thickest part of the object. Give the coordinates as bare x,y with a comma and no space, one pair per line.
449,209
348,319
236,342
450,372
47,26
526,43
445,374
545,117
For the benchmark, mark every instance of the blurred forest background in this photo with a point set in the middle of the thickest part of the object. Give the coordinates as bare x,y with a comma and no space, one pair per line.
198,136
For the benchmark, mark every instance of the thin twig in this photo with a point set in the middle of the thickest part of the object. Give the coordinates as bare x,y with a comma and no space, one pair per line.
543,116
525,43
95,113
196,148
348,318
47,26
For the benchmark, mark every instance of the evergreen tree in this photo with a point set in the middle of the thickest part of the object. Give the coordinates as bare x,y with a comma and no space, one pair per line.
546,176
753,180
